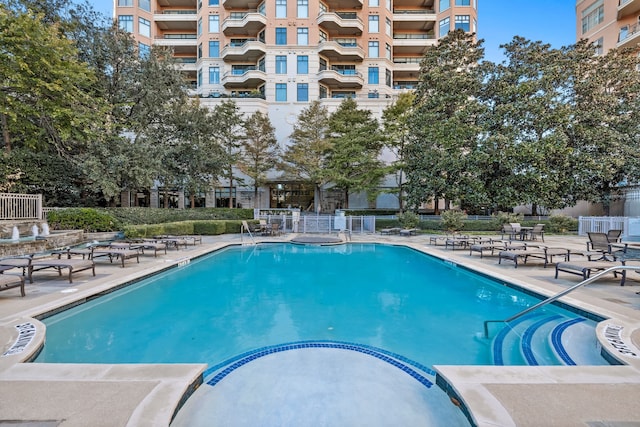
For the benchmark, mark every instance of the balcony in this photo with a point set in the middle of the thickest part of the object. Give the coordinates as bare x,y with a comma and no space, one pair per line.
628,8
245,50
184,4
337,78
407,64
244,78
240,4
341,23
412,44
182,44
176,19
343,51
629,36
344,4
243,23
186,63
409,4
415,19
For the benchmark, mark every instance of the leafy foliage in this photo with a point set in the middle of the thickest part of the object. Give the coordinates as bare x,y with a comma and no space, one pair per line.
453,220
86,219
353,162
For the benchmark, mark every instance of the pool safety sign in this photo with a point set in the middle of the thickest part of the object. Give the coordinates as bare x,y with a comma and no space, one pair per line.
613,335
26,332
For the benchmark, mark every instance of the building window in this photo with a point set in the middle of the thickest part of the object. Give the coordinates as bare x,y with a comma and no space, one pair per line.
389,5
444,5
281,92
323,92
303,92
303,64
199,27
374,77
463,23
281,36
281,64
323,36
303,8
599,46
387,77
144,5
303,36
444,27
374,3
388,51
463,2
199,51
387,26
143,50
125,3
199,81
592,16
374,49
374,23
281,8
214,23
144,27
214,49
214,75
125,22
624,33
214,2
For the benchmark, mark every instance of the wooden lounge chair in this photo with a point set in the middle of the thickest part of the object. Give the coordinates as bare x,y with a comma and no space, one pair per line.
10,281
73,265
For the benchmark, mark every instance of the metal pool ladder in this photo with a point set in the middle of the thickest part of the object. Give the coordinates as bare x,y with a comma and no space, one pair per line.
245,226
558,295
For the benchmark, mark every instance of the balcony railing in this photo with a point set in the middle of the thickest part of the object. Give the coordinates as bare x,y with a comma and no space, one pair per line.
627,31
414,12
178,37
414,36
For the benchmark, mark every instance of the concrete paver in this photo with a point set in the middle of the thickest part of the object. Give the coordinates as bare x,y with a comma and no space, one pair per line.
149,394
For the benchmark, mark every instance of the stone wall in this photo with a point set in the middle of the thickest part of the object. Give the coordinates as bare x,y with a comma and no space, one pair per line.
56,239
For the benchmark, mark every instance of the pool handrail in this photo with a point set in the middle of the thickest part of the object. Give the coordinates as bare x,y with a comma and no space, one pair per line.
559,295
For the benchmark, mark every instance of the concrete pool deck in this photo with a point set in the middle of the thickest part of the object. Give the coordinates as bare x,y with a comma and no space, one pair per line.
149,395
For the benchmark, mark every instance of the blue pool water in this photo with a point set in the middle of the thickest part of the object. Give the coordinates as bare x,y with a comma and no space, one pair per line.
245,298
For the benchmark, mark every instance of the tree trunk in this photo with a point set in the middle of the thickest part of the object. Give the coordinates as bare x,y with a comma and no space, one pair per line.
346,199
230,191
255,197
534,209
436,205
192,200
5,133
166,199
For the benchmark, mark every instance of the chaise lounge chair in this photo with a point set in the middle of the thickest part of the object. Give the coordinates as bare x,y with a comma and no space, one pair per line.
10,281
59,264
585,268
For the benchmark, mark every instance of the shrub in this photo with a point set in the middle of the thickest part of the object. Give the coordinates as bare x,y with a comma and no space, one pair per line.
87,219
409,220
133,216
209,228
562,223
453,220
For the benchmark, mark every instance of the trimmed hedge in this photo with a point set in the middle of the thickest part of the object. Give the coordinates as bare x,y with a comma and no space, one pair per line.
204,228
481,225
87,219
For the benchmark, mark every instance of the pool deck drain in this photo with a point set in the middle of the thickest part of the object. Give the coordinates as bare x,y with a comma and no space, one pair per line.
81,395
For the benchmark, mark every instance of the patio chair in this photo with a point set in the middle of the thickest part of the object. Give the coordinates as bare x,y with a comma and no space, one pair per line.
614,236
537,230
598,242
70,264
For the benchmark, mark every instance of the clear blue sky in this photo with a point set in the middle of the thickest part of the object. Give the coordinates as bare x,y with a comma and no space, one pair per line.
549,21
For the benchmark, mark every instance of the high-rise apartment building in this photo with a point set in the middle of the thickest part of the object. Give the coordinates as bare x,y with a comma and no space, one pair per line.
276,56
608,23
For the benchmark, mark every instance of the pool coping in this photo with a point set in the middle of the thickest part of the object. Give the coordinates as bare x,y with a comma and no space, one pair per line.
467,385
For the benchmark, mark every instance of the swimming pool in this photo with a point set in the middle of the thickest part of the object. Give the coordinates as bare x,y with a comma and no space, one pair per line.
241,299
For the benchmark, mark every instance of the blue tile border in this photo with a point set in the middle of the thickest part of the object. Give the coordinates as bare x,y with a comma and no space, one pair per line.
225,368
556,339
527,338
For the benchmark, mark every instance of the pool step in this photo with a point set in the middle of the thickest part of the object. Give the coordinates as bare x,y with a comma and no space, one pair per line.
547,339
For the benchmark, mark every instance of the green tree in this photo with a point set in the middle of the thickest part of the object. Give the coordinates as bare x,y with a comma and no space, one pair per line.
353,164
442,154
44,94
230,134
603,132
192,157
260,150
306,157
527,156
395,119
